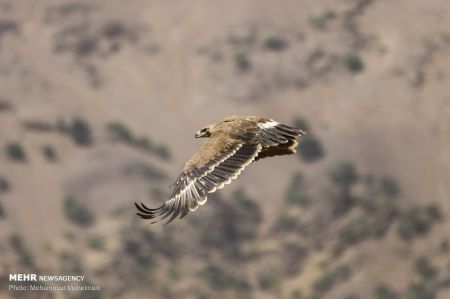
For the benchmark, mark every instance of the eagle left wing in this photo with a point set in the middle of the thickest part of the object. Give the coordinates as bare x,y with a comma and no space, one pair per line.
217,163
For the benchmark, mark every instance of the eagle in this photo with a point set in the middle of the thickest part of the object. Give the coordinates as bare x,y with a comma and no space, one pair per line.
233,143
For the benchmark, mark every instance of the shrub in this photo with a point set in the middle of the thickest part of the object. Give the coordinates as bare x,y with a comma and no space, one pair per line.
293,256
320,21
353,63
120,132
4,184
267,281
218,279
70,263
149,172
78,213
310,148
15,151
2,210
25,257
49,152
424,268
389,187
420,291
297,294
383,291
80,132
294,194
242,62
328,279
275,43
285,223
344,174
417,221
96,242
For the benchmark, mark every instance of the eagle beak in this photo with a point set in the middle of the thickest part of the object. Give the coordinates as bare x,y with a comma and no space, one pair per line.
198,134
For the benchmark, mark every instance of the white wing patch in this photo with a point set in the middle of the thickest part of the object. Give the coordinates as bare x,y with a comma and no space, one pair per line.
268,124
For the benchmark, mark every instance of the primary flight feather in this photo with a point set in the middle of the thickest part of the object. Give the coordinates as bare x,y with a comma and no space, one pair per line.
233,143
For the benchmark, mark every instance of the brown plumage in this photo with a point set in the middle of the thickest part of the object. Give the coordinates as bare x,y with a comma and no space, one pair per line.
233,143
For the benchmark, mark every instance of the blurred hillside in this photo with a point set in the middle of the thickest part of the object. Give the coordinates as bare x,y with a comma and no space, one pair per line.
99,103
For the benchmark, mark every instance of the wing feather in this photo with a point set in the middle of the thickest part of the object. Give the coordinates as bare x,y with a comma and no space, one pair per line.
197,179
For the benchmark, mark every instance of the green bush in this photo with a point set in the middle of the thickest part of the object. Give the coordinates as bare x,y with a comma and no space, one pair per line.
267,281
424,268
219,280
295,194
275,43
353,63
383,291
80,132
149,172
24,254
389,187
4,184
120,132
285,223
310,148
329,278
96,242
49,152
294,255
417,221
70,263
2,210
420,291
320,21
15,151
344,174
78,213
242,62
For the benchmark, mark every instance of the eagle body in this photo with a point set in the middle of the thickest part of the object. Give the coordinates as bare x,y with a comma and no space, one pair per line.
233,143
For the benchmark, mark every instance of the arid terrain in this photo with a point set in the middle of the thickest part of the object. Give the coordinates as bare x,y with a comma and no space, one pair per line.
99,103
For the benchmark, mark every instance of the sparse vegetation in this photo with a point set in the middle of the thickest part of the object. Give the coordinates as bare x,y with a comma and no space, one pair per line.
383,291
49,152
4,184
2,210
425,269
70,263
219,280
242,62
96,242
81,132
295,194
78,213
15,151
310,148
149,172
17,244
120,132
268,281
417,221
419,291
275,43
344,174
320,21
353,63
329,278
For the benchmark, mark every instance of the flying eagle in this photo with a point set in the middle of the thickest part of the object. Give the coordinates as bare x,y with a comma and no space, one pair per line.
233,143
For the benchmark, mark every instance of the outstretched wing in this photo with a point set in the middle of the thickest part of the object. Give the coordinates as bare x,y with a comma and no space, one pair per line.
218,162
277,139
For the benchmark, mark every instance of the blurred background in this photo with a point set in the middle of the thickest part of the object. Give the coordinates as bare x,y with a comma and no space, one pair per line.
99,102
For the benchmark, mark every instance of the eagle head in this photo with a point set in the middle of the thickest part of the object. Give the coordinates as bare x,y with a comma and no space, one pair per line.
203,133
